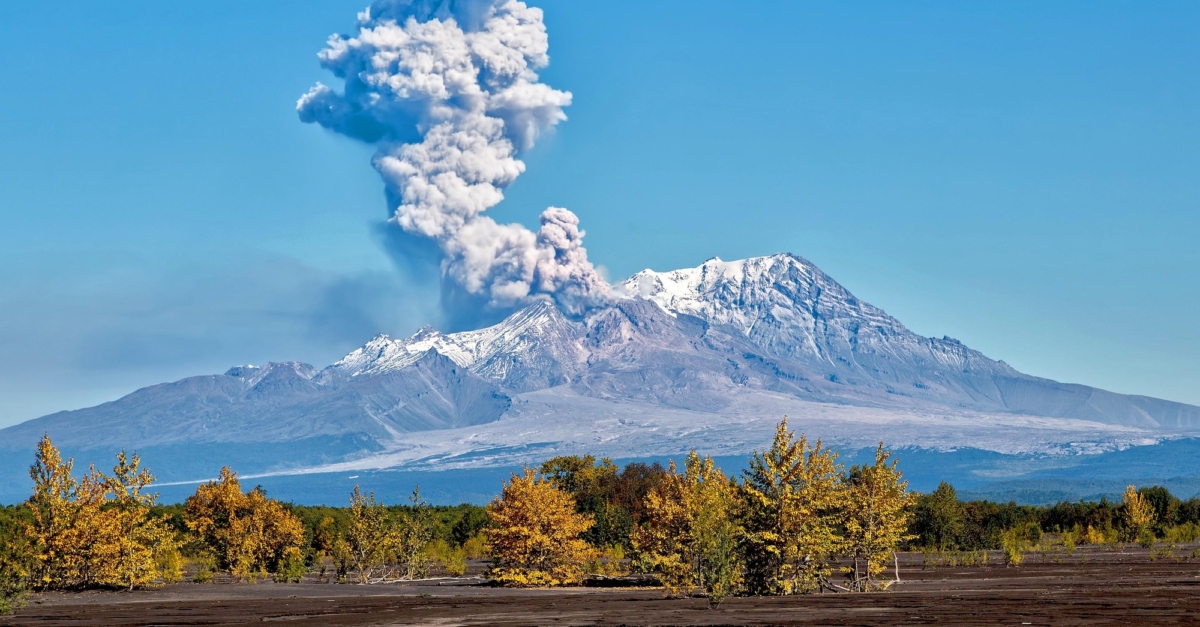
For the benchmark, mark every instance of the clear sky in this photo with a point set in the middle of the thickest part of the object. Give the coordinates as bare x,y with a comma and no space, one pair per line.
1022,176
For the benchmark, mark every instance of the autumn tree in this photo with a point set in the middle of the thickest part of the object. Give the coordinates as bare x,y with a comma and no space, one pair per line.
414,535
370,535
689,536
1136,513
72,537
534,534
94,531
876,517
794,495
384,546
52,530
94,535
141,540
248,533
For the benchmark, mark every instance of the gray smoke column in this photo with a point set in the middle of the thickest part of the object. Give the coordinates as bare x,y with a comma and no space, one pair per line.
449,93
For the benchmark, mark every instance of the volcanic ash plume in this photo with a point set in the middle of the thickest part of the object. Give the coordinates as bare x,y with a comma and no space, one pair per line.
448,92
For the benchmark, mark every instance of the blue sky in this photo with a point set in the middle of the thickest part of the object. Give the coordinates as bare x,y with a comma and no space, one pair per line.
1020,176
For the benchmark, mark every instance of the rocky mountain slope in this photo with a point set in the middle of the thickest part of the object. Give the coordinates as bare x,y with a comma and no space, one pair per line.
699,350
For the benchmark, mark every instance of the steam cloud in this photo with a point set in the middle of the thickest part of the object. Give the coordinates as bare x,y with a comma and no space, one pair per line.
448,91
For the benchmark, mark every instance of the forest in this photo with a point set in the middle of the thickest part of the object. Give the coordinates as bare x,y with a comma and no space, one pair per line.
795,521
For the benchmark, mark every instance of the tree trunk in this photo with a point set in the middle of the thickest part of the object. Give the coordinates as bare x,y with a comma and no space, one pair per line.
896,557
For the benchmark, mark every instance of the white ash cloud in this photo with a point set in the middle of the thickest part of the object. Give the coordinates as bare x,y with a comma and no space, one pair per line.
449,92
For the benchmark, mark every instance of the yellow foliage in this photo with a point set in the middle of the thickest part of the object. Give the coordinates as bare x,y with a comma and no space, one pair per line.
876,516
689,537
140,539
95,531
475,547
794,497
534,534
453,559
381,546
1137,513
248,533
609,562
54,517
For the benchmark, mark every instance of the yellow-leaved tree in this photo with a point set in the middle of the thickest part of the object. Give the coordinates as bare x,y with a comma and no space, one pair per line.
382,546
370,536
876,518
689,538
94,531
73,538
52,531
533,537
142,541
794,497
249,534
1137,513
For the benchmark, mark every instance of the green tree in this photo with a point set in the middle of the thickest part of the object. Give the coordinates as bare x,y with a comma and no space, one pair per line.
1164,504
592,483
16,562
938,519
470,525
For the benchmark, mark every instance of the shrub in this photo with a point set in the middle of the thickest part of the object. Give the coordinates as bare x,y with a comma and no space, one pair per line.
1182,534
475,547
206,569
609,562
1017,540
1146,538
452,558
14,574
170,565
291,568
247,533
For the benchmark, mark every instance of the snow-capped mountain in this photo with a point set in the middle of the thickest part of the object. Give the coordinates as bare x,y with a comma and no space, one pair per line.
708,357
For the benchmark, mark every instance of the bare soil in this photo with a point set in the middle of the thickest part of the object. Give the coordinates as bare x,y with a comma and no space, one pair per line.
1089,587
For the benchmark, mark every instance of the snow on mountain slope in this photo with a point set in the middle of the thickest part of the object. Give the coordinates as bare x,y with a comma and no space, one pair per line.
790,307
682,360
534,348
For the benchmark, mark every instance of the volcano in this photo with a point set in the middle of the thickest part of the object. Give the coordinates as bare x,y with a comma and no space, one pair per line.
707,357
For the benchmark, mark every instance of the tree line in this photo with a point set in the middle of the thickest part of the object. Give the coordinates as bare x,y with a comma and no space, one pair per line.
794,521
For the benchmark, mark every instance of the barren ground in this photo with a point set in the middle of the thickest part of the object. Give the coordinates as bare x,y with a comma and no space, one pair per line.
1090,587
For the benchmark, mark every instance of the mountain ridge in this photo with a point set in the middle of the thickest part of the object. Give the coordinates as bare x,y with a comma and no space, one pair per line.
680,353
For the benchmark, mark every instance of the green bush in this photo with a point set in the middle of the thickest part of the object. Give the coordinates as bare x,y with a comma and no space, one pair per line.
452,558
1146,538
206,568
14,577
170,565
291,567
